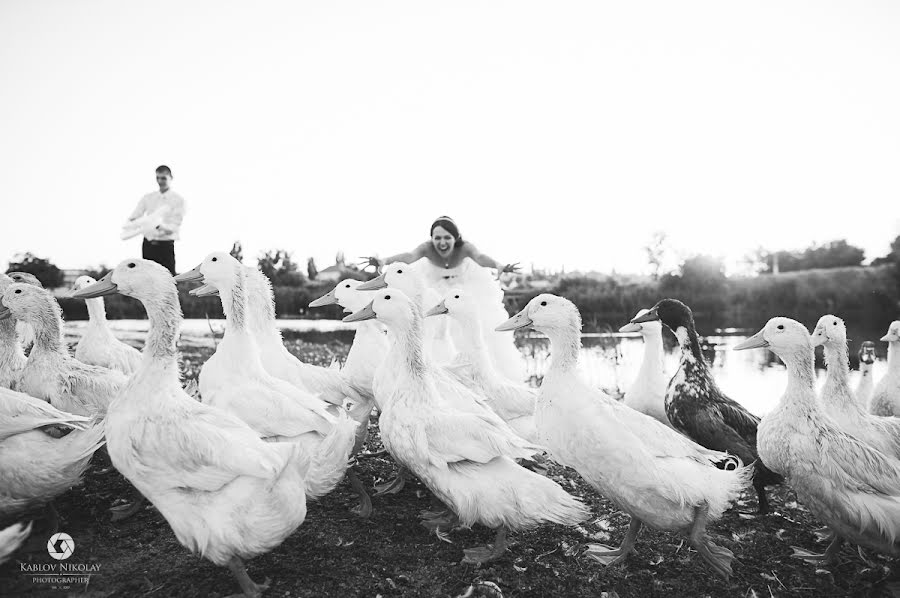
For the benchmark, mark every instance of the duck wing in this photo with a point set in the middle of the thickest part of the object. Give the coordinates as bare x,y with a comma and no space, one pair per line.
89,388
454,436
207,449
22,413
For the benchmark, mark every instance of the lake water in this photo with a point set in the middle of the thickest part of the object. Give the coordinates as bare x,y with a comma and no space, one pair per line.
754,378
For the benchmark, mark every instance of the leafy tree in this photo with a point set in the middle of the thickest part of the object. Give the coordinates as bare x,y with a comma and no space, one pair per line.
280,268
98,272
45,271
237,251
833,254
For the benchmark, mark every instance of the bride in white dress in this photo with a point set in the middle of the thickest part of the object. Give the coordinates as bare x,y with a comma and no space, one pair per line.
447,262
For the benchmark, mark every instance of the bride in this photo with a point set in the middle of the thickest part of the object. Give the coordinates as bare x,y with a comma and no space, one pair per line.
447,262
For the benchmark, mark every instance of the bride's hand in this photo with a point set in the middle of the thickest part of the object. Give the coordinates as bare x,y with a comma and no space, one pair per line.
515,268
371,260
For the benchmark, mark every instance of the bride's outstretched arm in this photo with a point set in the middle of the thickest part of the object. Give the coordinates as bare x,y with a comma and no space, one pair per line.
485,260
408,257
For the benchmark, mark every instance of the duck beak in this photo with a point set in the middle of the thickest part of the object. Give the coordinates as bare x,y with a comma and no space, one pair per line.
104,286
205,290
756,341
650,316
366,313
373,285
520,320
818,338
440,308
190,276
328,298
887,338
630,327
4,312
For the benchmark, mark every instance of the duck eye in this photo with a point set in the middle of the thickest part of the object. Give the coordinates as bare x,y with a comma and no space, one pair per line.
387,296
543,303
834,323
18,291
215,259
781,327
456,296
132,265
346,286
399,271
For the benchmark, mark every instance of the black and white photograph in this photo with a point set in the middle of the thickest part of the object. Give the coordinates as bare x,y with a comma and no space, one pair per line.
453,299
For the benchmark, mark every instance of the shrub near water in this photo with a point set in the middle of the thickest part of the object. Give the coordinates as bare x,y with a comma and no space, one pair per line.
864,296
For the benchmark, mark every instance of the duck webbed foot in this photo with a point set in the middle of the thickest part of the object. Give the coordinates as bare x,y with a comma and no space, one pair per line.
718,557
393,486
249,587
613,556
829,557
364,508
486,554
124,511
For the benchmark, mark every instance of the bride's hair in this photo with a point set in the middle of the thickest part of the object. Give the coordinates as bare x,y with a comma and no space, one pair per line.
446,222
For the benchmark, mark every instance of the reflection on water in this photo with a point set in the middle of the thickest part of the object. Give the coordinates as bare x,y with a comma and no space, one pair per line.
754,378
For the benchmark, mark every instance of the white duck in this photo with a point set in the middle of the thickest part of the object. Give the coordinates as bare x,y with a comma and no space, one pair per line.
51,373
227,494
513,402
12,357
370,342
400,275
647,393
464,458
659,477
866,385
838,402
886,396
233,378
11,538
98,345
35,466
851,487
328,384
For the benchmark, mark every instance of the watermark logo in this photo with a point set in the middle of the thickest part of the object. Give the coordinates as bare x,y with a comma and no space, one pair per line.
60,546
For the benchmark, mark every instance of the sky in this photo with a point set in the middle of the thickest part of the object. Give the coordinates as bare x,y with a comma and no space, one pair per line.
556,134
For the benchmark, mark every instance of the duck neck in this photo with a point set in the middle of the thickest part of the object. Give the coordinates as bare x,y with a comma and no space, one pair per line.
48,329
893,359
565,344
837,383
96,311
260,307
473,345
801,386
164,313
408,341
690,344
652,364
10,348
234,304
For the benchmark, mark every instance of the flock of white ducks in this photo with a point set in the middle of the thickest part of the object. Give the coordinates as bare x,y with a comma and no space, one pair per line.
231,472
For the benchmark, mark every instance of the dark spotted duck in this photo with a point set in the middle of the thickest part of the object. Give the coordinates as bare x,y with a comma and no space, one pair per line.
696,406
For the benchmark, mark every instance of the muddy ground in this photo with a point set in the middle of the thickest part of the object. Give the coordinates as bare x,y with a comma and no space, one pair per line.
335,553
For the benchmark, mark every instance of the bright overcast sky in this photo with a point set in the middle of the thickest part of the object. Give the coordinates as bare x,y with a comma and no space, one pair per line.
555,133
